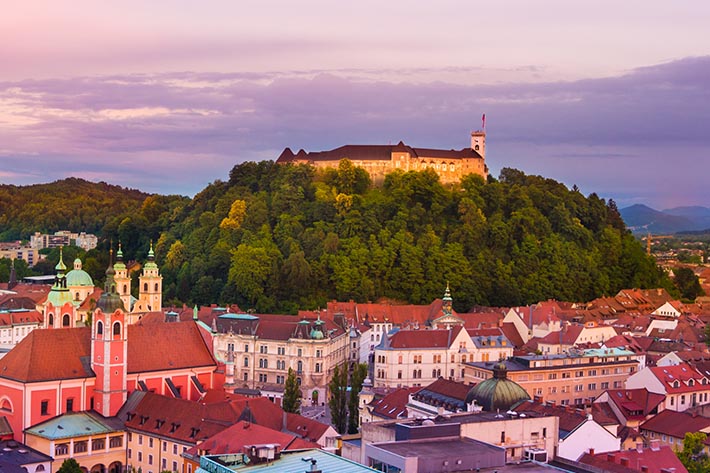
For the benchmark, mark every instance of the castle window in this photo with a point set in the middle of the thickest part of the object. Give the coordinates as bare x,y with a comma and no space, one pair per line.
51,320
477,148
145,287
99,328
76,296
125,289
117,329
156,287
65,320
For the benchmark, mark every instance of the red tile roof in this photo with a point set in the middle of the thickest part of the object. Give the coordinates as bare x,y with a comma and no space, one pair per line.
394,404
655,460
309,429
45,355
675,424
445,387
680,378
51,354
233,439
635,403
20,317
424,338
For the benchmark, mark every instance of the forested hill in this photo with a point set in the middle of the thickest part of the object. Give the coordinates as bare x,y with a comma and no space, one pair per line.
281,237
70,204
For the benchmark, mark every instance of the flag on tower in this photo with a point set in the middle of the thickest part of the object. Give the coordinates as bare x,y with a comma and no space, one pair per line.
483,122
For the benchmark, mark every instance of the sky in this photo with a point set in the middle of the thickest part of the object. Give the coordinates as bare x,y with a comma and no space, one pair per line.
166,97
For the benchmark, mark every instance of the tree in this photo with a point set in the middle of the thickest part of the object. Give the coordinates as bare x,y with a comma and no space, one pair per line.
692,456
292,394
338,404
356,379
688,284
70,466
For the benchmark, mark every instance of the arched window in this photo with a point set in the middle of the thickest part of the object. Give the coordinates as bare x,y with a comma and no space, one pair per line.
117,329
125,289
156,287
65,320
5,405
39,469
51,320
99,328
76,298
145,287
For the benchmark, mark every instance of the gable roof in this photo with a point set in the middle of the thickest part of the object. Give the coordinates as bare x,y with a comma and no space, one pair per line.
635,403
680,378
306,428
393,405
403,339
233,439
675,424
655,459
51,354
45,355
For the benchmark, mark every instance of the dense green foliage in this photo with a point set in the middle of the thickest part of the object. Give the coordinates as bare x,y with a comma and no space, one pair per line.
292,394
688,284
358,375
278,238
281,237
692,455
69,466
338,402
70,204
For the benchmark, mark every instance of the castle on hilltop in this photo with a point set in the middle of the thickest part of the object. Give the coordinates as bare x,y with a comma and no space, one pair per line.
379,160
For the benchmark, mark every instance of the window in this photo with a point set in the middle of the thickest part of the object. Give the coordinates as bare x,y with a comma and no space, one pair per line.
80,447
579,374
605,385
246,362
70,404
592,372
246,348
44,408
552,376
115,442
150,459
130,453
566,375
65,320
165,446
140,456
140,440
174,466
399,359
61,449
117,329
299,366
318,367
99,326
98,444
246,376
579,387
300,352
592,386
150,442
263,349
502,436
399,374
281,350
279,379
230,346
165,464
319,353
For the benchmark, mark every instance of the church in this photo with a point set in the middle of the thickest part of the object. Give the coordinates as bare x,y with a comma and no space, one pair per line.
380,160
93,363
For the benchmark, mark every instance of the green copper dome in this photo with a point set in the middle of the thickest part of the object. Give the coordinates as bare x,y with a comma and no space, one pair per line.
150,264
498,392
110,301
119,259
78,277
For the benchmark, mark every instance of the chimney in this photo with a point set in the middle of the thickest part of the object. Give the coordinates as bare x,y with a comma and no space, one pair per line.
639,447
644,469
624,461
655,445
610,457
591,451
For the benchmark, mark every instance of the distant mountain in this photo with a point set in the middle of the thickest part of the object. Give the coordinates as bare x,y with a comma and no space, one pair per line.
643,219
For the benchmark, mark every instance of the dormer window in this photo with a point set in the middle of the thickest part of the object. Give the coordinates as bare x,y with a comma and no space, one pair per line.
691,382
144,419
676,384
174,426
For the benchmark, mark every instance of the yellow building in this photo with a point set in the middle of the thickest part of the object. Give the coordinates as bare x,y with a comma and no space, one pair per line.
96,443
380,160
566,379
259,350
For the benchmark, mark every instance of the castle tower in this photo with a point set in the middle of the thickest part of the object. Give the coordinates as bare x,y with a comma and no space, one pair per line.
123,280
478,142
151,285
109,349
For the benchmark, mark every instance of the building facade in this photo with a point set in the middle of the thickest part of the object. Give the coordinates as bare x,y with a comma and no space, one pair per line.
380,160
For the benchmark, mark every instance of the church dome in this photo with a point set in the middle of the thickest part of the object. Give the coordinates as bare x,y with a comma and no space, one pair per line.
498,392
78,277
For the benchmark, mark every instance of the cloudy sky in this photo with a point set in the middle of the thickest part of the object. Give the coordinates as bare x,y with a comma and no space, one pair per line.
166,97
